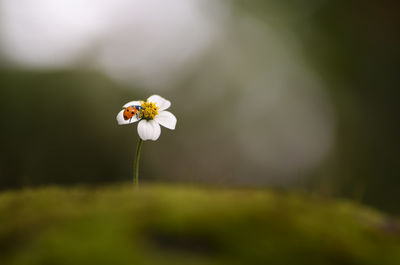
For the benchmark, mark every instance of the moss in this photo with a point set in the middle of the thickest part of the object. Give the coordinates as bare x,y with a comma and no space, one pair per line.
188,225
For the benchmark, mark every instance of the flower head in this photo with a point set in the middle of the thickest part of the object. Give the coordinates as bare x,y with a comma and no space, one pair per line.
150,114
148,111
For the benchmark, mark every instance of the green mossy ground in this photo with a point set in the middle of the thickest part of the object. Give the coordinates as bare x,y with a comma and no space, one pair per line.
187,225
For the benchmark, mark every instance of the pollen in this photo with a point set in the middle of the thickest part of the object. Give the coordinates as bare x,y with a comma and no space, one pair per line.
149,111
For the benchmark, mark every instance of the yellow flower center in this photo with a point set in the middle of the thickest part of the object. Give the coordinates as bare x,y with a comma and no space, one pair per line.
149,111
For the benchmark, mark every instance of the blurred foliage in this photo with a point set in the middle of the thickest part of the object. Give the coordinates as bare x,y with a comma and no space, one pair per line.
354,48
358,53
187,225
60,128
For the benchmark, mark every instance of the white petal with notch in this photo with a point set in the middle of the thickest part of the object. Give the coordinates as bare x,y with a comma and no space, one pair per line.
149,130
161,102
166,119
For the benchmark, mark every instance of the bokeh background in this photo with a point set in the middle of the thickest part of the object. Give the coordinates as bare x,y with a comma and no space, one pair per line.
296,95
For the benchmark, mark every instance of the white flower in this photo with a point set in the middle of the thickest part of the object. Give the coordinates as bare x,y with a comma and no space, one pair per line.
150,114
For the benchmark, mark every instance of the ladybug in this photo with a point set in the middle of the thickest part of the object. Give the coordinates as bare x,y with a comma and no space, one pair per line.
131,111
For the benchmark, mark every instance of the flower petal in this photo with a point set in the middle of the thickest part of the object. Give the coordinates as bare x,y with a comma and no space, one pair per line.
122,121
161,102
166,119
149,130
132,103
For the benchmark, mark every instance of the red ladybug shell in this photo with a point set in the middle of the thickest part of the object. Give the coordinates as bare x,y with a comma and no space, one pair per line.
129,112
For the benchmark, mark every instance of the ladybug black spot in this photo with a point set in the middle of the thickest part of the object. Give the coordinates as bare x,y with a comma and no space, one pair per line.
125,117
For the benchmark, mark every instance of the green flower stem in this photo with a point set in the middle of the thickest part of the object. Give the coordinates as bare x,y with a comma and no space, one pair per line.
136,169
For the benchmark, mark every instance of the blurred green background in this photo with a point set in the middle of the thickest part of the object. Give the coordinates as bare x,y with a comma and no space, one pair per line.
300,95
